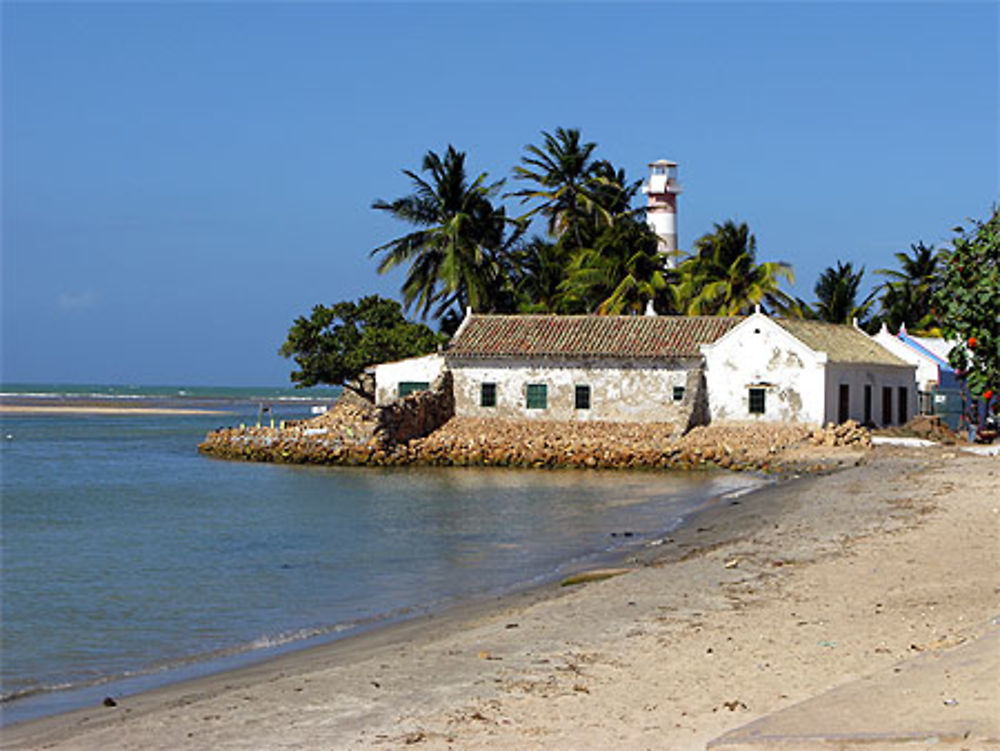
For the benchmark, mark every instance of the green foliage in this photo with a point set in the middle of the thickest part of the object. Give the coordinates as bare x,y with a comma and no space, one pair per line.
908,294
968,304
836,293
620,274
335,344
562,173
722,276
456,258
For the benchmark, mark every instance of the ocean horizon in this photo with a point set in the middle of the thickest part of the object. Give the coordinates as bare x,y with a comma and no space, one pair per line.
131,561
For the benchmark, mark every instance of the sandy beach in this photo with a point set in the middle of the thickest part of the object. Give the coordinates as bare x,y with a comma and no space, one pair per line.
757,605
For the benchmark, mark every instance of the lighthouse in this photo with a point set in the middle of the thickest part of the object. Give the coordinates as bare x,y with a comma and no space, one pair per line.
661,214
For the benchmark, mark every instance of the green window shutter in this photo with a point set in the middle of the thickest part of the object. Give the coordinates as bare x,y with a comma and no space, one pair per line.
678,393
406,388
582,397
757,401
537,396
488,395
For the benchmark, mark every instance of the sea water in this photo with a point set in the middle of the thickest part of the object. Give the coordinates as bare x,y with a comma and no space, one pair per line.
129,560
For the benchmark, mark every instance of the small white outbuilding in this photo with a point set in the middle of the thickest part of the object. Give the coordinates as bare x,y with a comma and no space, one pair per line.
790,370
394,380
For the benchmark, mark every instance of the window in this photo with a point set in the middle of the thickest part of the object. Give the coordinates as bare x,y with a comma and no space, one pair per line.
868,404
406,388
488,395
844,403
757,401
678,393
887,405
903,405
537,396
581,398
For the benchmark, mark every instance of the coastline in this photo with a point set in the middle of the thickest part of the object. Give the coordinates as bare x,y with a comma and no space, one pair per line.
93,409
754,602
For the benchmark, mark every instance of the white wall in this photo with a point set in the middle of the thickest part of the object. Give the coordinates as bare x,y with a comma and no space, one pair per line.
620,391
759,353
928,373
389,375
856,377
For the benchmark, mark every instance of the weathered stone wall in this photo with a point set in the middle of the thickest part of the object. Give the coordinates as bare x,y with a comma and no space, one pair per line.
389,375
620,390
759,353
418,414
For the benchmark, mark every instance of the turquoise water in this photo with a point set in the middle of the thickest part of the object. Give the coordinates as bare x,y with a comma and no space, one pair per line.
125,553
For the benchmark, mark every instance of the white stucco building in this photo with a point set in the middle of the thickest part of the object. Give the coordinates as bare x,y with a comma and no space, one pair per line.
402,377
929,354
777,370
612,368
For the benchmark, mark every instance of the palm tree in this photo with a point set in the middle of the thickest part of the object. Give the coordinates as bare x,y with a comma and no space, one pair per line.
722,276
562,171
622,273
907,294
539,267
612,194
837,293
455,257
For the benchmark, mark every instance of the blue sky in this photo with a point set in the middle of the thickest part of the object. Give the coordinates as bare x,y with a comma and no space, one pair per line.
180,181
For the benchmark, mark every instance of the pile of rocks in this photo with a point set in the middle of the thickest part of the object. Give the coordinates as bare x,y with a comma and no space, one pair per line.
847,433
362,434
353,431
468,441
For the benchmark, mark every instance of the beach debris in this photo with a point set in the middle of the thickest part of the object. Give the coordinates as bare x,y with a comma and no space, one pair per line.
415,737
827,643
592,576
732,563
484,655
109,702
732,706
511,625
951,702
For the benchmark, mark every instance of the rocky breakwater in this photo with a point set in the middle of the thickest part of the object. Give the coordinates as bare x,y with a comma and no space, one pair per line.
353,431
421,430
604,445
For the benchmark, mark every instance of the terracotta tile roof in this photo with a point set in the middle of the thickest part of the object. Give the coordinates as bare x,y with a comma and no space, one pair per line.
841,343
507,336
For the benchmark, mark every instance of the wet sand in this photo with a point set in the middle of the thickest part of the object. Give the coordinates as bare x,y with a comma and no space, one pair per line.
755,606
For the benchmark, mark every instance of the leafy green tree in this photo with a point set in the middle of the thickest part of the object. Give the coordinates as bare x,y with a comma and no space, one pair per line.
836,293
722,276
455,258
335,344
907,295
968,304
